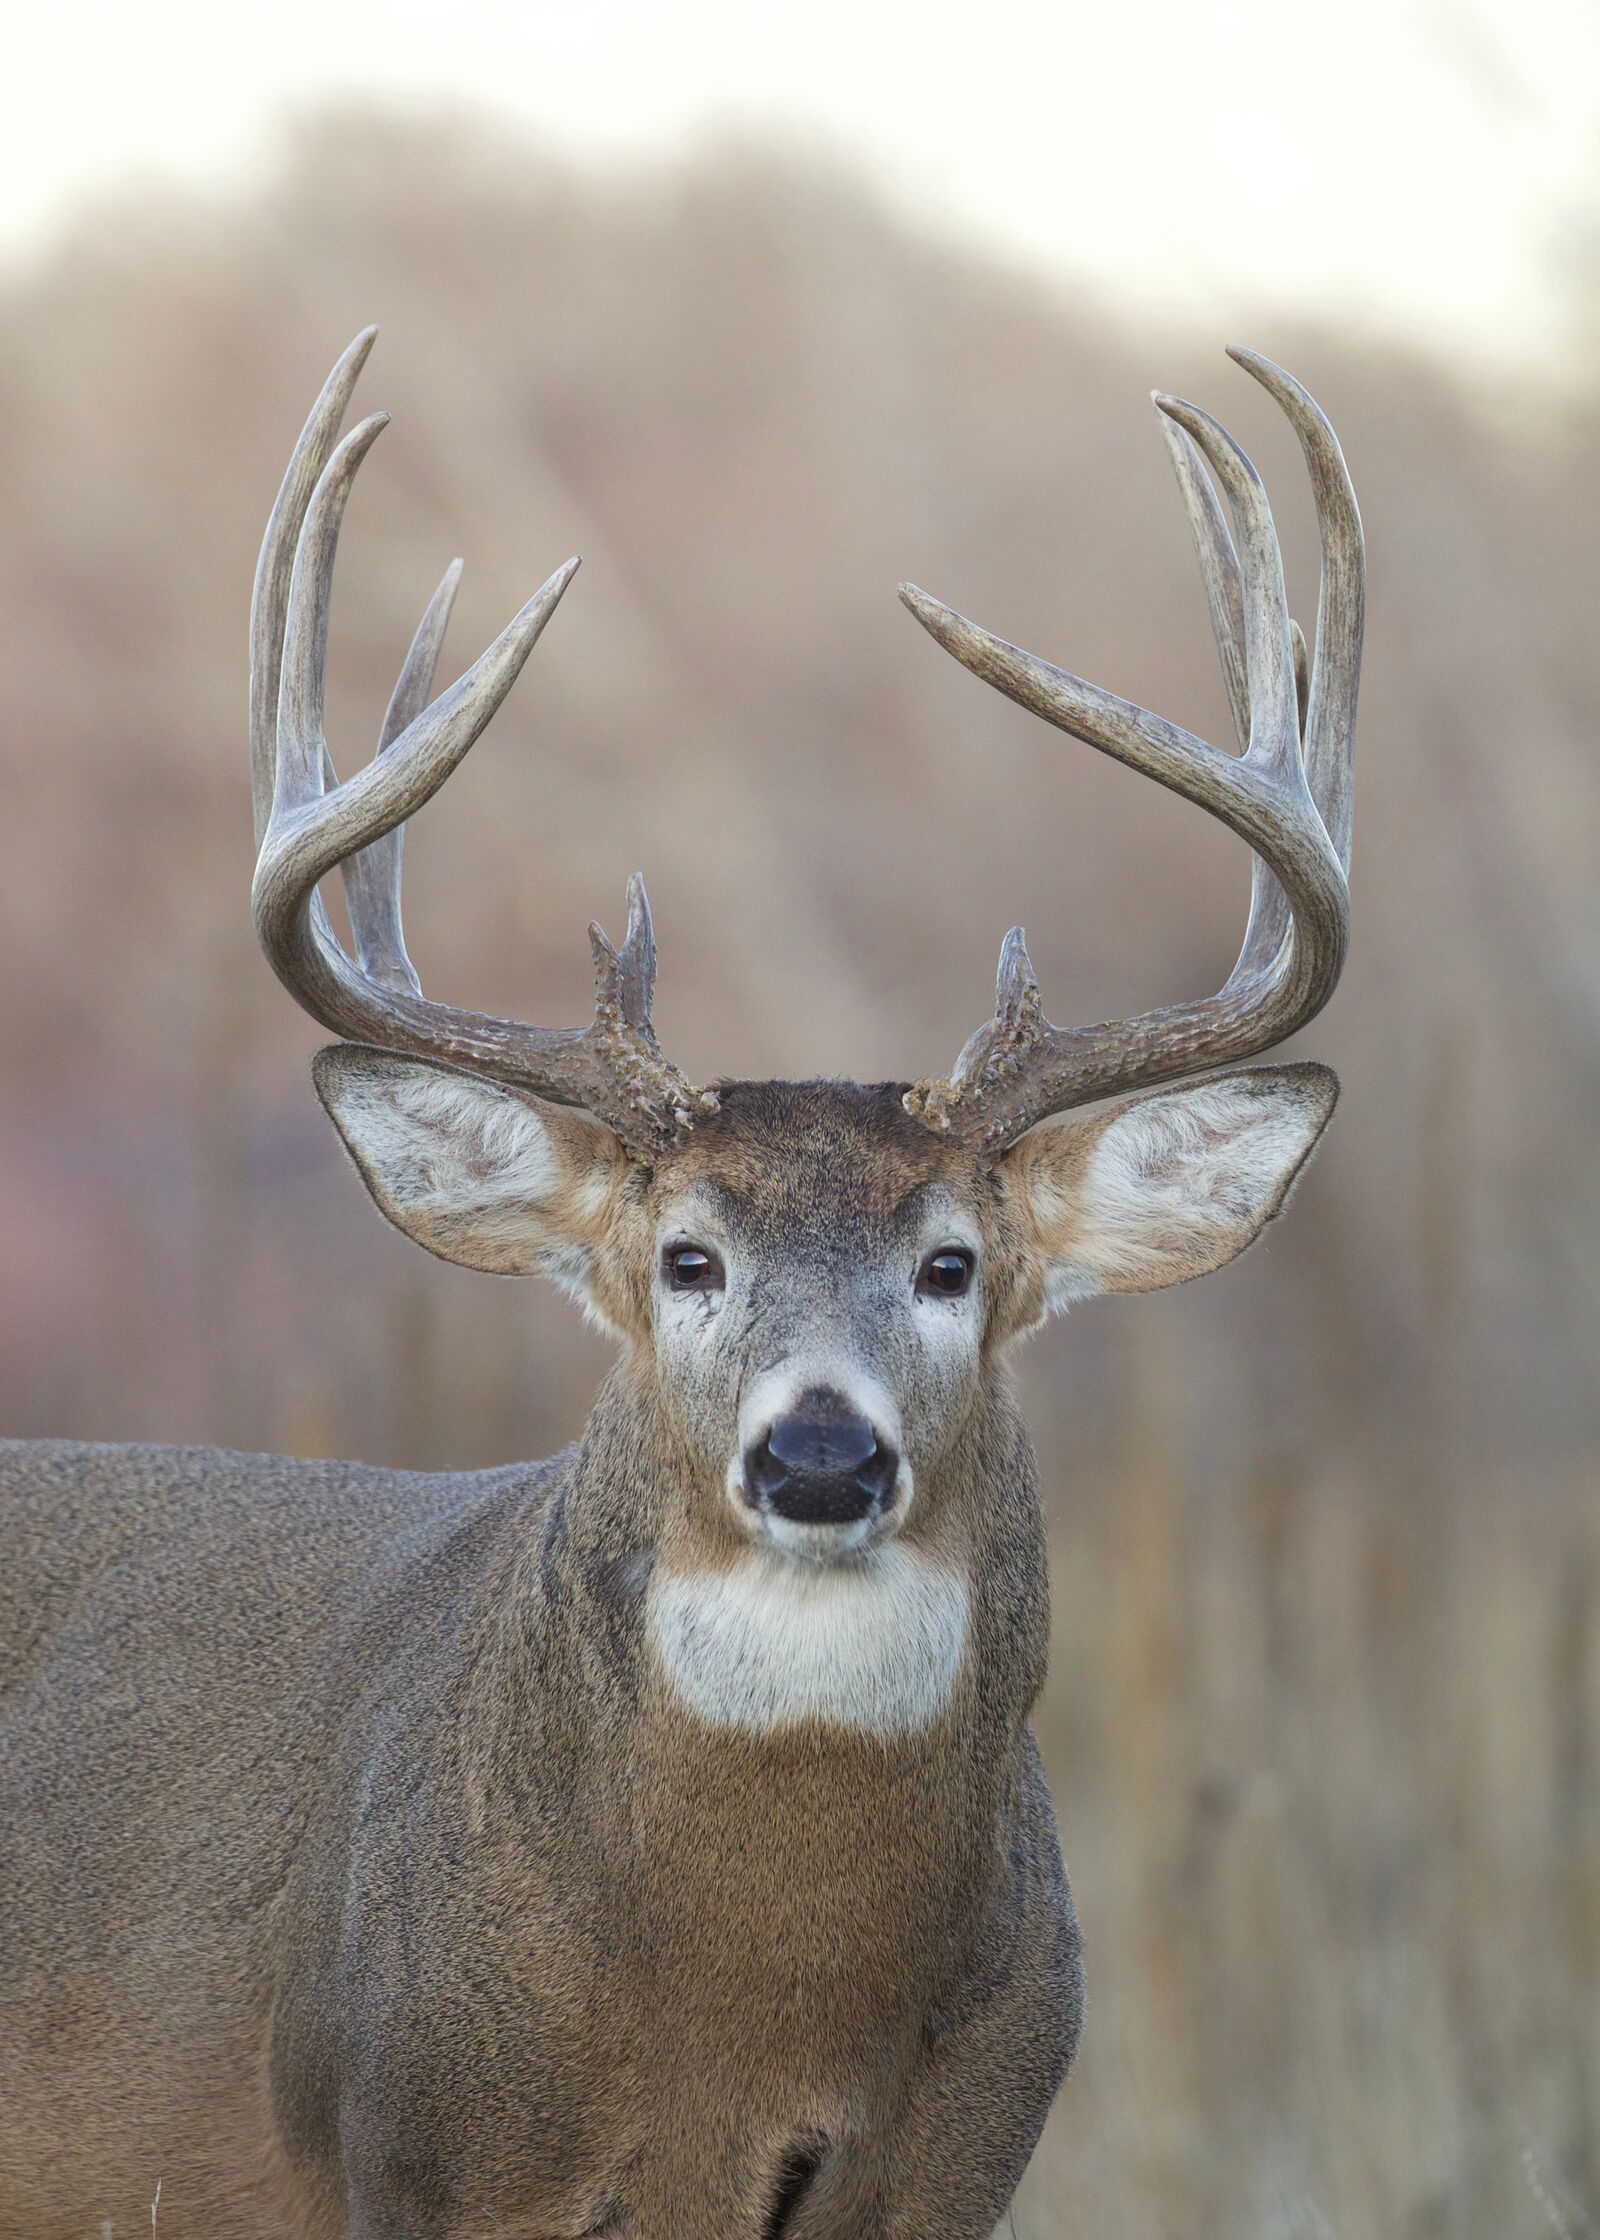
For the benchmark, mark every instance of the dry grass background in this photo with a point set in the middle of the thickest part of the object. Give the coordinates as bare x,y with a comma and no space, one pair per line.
1324,1718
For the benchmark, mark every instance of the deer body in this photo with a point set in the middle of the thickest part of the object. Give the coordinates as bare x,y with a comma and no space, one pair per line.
452,1941
650,1842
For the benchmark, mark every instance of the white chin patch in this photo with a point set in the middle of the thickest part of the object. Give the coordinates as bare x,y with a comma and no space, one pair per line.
873,1646
821,1543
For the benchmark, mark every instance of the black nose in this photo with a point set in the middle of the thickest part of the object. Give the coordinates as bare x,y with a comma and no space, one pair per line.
821,1464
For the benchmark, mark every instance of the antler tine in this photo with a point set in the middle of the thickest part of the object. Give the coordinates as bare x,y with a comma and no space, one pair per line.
1302,680
1274,727
302,756
1219,567
1266,647
1275,795
372,875
1128,733
1327,753
1330,716
613,1066
270,597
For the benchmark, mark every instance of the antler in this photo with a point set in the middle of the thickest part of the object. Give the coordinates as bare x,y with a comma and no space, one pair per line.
1287,793
307,822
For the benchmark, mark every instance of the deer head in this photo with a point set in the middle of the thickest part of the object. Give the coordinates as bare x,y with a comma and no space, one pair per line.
813,1283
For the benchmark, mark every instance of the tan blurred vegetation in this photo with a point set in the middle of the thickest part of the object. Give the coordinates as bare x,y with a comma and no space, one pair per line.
1324,1720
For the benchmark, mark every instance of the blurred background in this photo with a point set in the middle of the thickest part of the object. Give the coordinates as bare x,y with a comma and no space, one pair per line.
762,311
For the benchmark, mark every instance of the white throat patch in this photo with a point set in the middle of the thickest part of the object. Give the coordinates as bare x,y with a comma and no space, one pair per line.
873,1645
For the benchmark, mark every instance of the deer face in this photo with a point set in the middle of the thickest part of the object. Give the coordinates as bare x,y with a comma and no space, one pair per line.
823,1288
815,1285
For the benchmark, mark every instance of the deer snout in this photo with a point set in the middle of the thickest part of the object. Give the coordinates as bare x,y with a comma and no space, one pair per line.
820,1463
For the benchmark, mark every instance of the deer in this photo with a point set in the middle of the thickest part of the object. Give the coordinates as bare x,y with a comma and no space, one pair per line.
650,1841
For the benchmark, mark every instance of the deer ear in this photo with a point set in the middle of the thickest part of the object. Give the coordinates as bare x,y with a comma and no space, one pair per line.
476,1173
1170,1186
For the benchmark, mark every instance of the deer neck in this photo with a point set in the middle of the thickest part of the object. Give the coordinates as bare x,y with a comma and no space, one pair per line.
806,1843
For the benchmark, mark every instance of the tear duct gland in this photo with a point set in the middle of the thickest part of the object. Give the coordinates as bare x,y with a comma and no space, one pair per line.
650,1840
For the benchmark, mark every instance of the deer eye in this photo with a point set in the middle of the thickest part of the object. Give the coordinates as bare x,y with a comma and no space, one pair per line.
947,1274
690,1267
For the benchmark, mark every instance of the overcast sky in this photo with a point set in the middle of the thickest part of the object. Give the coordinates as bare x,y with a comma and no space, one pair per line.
1418,161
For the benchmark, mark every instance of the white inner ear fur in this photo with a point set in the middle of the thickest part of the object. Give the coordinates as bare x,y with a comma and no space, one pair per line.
471,1171
1173,1185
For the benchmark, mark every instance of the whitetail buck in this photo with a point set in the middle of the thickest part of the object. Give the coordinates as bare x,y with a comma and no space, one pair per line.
649,1842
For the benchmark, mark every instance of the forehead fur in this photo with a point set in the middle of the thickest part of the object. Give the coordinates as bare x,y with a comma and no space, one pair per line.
843,1151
